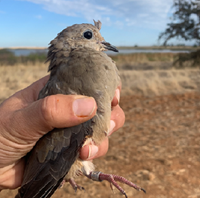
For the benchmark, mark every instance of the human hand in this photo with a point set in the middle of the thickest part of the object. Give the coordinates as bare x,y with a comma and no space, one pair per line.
24,119
89,152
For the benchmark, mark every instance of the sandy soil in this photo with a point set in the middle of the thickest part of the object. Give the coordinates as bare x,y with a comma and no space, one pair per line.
159,146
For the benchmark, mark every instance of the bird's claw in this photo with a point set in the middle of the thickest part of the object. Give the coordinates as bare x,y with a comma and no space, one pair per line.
62,184
74,185
99,176
142,189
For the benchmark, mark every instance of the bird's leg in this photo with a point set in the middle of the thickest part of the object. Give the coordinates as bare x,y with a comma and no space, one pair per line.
74,185
99,176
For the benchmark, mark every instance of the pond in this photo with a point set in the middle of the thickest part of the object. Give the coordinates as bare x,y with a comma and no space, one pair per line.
25,52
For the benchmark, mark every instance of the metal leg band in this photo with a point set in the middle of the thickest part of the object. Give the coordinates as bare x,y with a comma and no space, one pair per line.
95,175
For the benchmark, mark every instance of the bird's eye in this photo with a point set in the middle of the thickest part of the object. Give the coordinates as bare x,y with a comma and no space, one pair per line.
88,34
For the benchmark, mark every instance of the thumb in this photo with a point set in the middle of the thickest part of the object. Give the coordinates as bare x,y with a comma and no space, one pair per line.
56,111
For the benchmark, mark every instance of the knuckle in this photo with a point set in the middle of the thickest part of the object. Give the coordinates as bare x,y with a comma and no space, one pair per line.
49,109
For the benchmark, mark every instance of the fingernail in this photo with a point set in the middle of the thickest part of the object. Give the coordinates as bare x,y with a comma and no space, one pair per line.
112,126
84,107
117,92
92,151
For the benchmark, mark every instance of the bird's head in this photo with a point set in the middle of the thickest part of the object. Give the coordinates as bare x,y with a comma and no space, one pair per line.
82,35
77,36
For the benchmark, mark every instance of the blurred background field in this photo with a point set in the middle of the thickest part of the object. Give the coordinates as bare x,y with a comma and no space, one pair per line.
148,74
158,147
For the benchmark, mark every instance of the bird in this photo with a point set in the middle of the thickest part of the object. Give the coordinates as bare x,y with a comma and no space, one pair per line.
78,65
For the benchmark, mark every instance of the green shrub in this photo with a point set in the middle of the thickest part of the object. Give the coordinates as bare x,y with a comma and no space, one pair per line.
8,58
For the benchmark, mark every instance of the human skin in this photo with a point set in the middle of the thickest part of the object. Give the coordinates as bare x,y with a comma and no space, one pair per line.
24,120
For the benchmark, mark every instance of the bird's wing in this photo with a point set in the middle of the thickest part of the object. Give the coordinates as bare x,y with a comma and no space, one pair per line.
53,155
51,159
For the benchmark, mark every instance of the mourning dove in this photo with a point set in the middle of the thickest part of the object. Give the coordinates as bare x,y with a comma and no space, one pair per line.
78,66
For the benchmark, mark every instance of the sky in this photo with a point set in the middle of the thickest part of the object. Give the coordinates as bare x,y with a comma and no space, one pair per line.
34,23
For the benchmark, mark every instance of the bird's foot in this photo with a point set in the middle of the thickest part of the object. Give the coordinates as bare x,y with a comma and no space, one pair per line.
99,176
74,185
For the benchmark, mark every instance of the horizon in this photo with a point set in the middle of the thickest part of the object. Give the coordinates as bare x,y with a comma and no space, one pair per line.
150,46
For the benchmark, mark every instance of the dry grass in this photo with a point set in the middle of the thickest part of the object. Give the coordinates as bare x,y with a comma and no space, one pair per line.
160,82
143,57
14,78
145,61
152,82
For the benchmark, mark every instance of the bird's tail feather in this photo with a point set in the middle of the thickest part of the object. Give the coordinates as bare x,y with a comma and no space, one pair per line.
42,188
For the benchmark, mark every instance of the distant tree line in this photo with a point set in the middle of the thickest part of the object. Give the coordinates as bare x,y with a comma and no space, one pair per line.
8,58
185,24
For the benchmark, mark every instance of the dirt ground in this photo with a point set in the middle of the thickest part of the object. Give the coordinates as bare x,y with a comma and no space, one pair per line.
158,148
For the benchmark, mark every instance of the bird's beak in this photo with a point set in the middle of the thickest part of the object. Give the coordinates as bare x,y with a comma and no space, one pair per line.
108,46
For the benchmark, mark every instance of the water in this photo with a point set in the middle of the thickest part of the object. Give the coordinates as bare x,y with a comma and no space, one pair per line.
134,51
25,52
